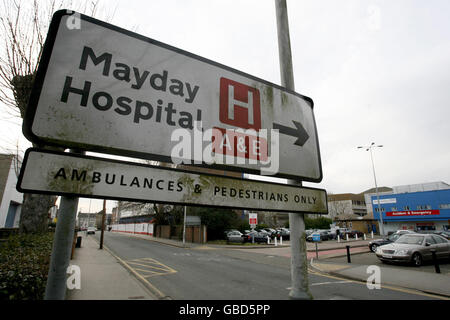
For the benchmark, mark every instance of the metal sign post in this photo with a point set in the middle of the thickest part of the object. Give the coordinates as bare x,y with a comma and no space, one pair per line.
62,247
184,227
103,224
299,262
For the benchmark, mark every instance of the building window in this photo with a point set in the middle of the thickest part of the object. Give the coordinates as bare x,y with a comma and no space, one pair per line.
394,208
424,207
406,208
382,210
444,206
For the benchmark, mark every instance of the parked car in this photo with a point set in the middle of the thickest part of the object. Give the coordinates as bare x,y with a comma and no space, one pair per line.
272,233
324,235
263,231
443,233
235,236
258,237
373,245
341,232
285,233
91,230
353,233
414,248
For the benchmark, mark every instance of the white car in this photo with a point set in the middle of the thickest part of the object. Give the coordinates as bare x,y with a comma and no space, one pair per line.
91,230
235,236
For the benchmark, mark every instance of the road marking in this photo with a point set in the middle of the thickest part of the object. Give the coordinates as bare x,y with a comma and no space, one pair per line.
151,287
149,267
329,282
325,283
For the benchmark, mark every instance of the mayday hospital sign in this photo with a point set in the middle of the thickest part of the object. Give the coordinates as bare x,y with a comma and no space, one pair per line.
104,89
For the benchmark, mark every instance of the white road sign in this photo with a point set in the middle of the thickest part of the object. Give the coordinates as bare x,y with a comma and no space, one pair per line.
105,89
51,172
253,219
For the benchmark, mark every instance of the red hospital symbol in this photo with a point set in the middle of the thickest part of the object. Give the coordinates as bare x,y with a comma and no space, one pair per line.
239,105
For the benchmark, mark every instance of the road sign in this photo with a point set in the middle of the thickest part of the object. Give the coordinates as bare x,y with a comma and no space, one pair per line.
316,237
51,172
105,89
253,219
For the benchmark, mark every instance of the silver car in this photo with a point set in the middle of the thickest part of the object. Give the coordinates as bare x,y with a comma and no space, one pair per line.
235,236
415,248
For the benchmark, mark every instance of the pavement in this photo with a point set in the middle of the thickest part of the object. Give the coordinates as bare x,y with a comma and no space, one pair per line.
437,284
99,267
103,276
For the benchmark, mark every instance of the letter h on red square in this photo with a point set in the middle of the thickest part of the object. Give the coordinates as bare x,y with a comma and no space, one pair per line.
239,105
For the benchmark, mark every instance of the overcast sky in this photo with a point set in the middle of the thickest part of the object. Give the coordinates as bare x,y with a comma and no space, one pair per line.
378,71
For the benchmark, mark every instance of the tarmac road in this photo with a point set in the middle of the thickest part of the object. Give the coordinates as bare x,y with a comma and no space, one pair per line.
207,273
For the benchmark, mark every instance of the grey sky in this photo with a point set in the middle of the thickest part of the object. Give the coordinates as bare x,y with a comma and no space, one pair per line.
376,70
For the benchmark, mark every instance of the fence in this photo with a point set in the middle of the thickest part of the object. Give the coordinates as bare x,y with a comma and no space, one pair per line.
135,228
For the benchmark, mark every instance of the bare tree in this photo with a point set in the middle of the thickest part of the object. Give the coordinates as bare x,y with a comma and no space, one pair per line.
338,208
23,28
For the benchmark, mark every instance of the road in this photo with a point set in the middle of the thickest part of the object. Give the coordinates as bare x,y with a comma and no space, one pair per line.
370,258
207,273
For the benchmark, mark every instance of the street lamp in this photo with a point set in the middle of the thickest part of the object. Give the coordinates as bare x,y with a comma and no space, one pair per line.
369,148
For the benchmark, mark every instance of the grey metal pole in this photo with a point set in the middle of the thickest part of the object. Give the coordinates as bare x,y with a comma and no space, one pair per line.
299,262
378,197
62,247
184,227
103,224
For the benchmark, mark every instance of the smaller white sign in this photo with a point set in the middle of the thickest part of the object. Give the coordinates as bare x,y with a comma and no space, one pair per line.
61,173
253,219
385,201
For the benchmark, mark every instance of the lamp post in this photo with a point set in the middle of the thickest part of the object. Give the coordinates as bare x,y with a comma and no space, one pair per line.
369,148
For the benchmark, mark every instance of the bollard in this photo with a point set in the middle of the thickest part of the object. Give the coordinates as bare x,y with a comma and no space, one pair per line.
348,254
276,244
356,236
346,236
268,240
339,239
371,233
435,261
281,240
365,237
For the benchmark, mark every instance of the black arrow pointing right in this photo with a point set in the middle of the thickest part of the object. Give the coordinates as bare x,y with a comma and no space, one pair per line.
298,132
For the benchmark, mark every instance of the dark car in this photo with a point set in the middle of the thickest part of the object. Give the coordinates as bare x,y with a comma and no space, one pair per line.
444,233
285,233
265,232
373,245
353,233
254,236
272,233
